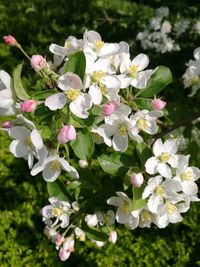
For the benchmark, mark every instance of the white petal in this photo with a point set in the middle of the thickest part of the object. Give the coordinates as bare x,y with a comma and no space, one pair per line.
115,201
5,99
151,165
70,81
158,148
58,50
56,101
36,139
18,149
124,80
19,133
95,94
65,164
64,220
142,78
120,143
108,49
153,203
164,170
5,80
141,60
171,146
30,159
49,174
80,106
190,188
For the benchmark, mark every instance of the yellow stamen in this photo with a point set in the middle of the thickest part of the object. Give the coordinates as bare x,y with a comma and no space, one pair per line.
56,212
72,94
122,129
193,81
186,175
98,45
142,124
102,88
55,165
145,216
164,157
125,207
160,191
96,76
133,70
171,209
29,142
67,45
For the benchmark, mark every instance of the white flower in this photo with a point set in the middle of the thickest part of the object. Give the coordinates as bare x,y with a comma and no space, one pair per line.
146,218
164,158
27,144
58,210
145,120
80,102
106,218
133,72
158,191
187,176
51,168
124,214
91,220
7,104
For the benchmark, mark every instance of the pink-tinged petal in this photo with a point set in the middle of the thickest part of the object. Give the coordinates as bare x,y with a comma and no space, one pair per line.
141,60
64,254
164,170
158,148
19,133
190,188
5,80
18,149
56,101
151,165
70,81
120,143
36,139
96,94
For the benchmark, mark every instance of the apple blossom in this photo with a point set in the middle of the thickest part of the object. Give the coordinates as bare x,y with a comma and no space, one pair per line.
10,40
28,105
83,163
113,237
137,179
158,104
38,62
67,133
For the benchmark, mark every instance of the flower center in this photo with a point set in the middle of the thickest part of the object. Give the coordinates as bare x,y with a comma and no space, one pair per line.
96,76
102,88
142,124
186,175
125,207
72,94
160,191
133,70
164,157
122,129
194,81
55,165
56,212
145,216
29,142
171,209
68,45
98,45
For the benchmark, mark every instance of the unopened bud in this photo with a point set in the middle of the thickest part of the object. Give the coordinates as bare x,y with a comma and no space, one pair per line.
64,254
67,133
68,245
110,107
137,179
158,104
91,220
6,125
113,237
38,62
28,105
59,240
10,40
83,163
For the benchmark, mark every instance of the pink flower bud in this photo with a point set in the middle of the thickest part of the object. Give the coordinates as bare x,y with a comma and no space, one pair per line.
10,40
137,179
38,62
158,104
66,134
28,105
99,243
59,240
110,107
6,125
113,237
83,163
64,254
68,245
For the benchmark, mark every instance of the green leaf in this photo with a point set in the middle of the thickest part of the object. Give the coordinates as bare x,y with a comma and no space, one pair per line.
93,233
143,103
83,146
42,111
76,64
57,189
17,83
115,163
158,81
143,152
138,202
43,95
45,132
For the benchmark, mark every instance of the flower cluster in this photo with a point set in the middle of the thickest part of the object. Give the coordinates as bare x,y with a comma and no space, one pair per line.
94,95
191,77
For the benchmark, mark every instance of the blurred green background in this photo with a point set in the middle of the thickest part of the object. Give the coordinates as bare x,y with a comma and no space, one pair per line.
36,24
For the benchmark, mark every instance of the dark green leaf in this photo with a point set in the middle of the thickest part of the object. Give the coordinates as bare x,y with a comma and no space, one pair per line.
57,189
17,83
43,95
76,64
143,103
115,163
42,111
143,152
158,81
93,233
83,146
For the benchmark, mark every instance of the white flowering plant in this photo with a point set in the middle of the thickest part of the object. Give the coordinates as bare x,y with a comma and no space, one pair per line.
91,127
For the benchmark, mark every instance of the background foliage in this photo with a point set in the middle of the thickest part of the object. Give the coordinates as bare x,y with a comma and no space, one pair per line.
36,24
